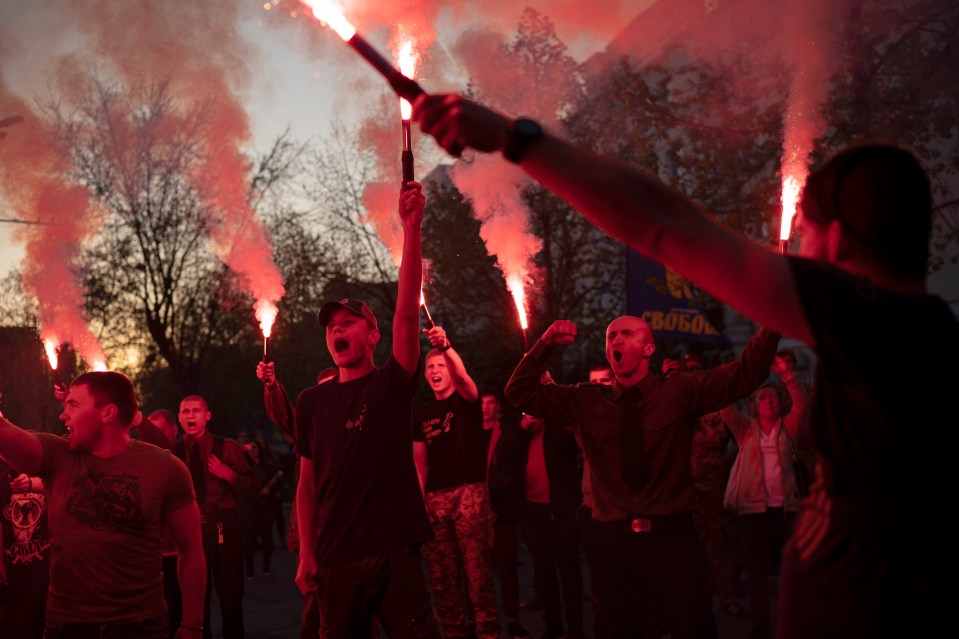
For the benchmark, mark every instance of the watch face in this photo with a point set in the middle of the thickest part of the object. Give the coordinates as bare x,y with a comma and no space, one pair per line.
522,132
527,128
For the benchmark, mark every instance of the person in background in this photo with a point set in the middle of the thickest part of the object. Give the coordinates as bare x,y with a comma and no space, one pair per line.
601,373
166,421
712,458
552,496
221,478
259,511
506,490
762,488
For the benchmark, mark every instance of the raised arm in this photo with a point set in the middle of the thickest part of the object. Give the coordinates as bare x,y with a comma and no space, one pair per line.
461,379
406,317
525,389
20,449
793,419
637,209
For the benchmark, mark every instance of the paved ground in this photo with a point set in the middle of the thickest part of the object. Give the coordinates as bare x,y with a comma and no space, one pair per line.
272,605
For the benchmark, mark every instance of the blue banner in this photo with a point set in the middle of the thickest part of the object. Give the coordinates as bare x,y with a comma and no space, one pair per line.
667,302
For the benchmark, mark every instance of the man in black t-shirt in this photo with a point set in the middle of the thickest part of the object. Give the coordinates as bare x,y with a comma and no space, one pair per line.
357,483
450,448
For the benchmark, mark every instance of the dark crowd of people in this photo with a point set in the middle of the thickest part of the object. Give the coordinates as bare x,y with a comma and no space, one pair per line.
671,482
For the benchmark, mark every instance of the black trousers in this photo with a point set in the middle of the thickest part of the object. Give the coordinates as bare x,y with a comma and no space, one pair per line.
552,537
223,549
390,587
659,574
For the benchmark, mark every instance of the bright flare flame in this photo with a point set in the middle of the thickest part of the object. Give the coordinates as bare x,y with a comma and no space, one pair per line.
50,346
515,286
790,199
266,312
100,366
407,59
422,299
331,15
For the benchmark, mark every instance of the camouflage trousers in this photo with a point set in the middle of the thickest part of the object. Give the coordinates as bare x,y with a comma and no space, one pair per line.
720,537
463,523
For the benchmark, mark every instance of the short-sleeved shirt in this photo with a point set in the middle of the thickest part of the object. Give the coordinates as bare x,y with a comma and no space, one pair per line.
26,536
106,522
357,434
883,422
456,442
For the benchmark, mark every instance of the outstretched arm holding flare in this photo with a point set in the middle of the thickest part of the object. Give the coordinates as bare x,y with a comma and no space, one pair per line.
637,209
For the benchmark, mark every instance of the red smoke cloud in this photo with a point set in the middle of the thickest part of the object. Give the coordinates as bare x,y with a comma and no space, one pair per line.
809,50
32,167
195,45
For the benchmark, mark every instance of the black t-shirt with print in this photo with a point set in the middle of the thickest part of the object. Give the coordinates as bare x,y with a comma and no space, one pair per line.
357,434
456,443
26,538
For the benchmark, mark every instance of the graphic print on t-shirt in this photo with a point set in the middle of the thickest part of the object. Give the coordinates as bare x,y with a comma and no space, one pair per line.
436,426
358,422
24,512
106,502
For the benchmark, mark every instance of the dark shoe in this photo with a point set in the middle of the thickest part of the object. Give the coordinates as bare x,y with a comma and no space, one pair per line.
516,630
735,610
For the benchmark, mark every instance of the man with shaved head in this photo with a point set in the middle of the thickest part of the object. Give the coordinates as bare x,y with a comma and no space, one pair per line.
636,436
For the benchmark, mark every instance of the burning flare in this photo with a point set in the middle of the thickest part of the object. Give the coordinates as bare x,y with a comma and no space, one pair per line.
790,199
50,346
515,286
266,312
408,60
331,15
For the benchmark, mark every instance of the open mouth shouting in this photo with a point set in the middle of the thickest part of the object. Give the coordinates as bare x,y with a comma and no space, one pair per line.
340,344
618,355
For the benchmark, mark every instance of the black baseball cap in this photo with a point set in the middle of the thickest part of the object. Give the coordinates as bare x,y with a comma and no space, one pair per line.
348,304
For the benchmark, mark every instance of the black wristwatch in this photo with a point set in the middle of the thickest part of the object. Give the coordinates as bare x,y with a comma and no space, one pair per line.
522,132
